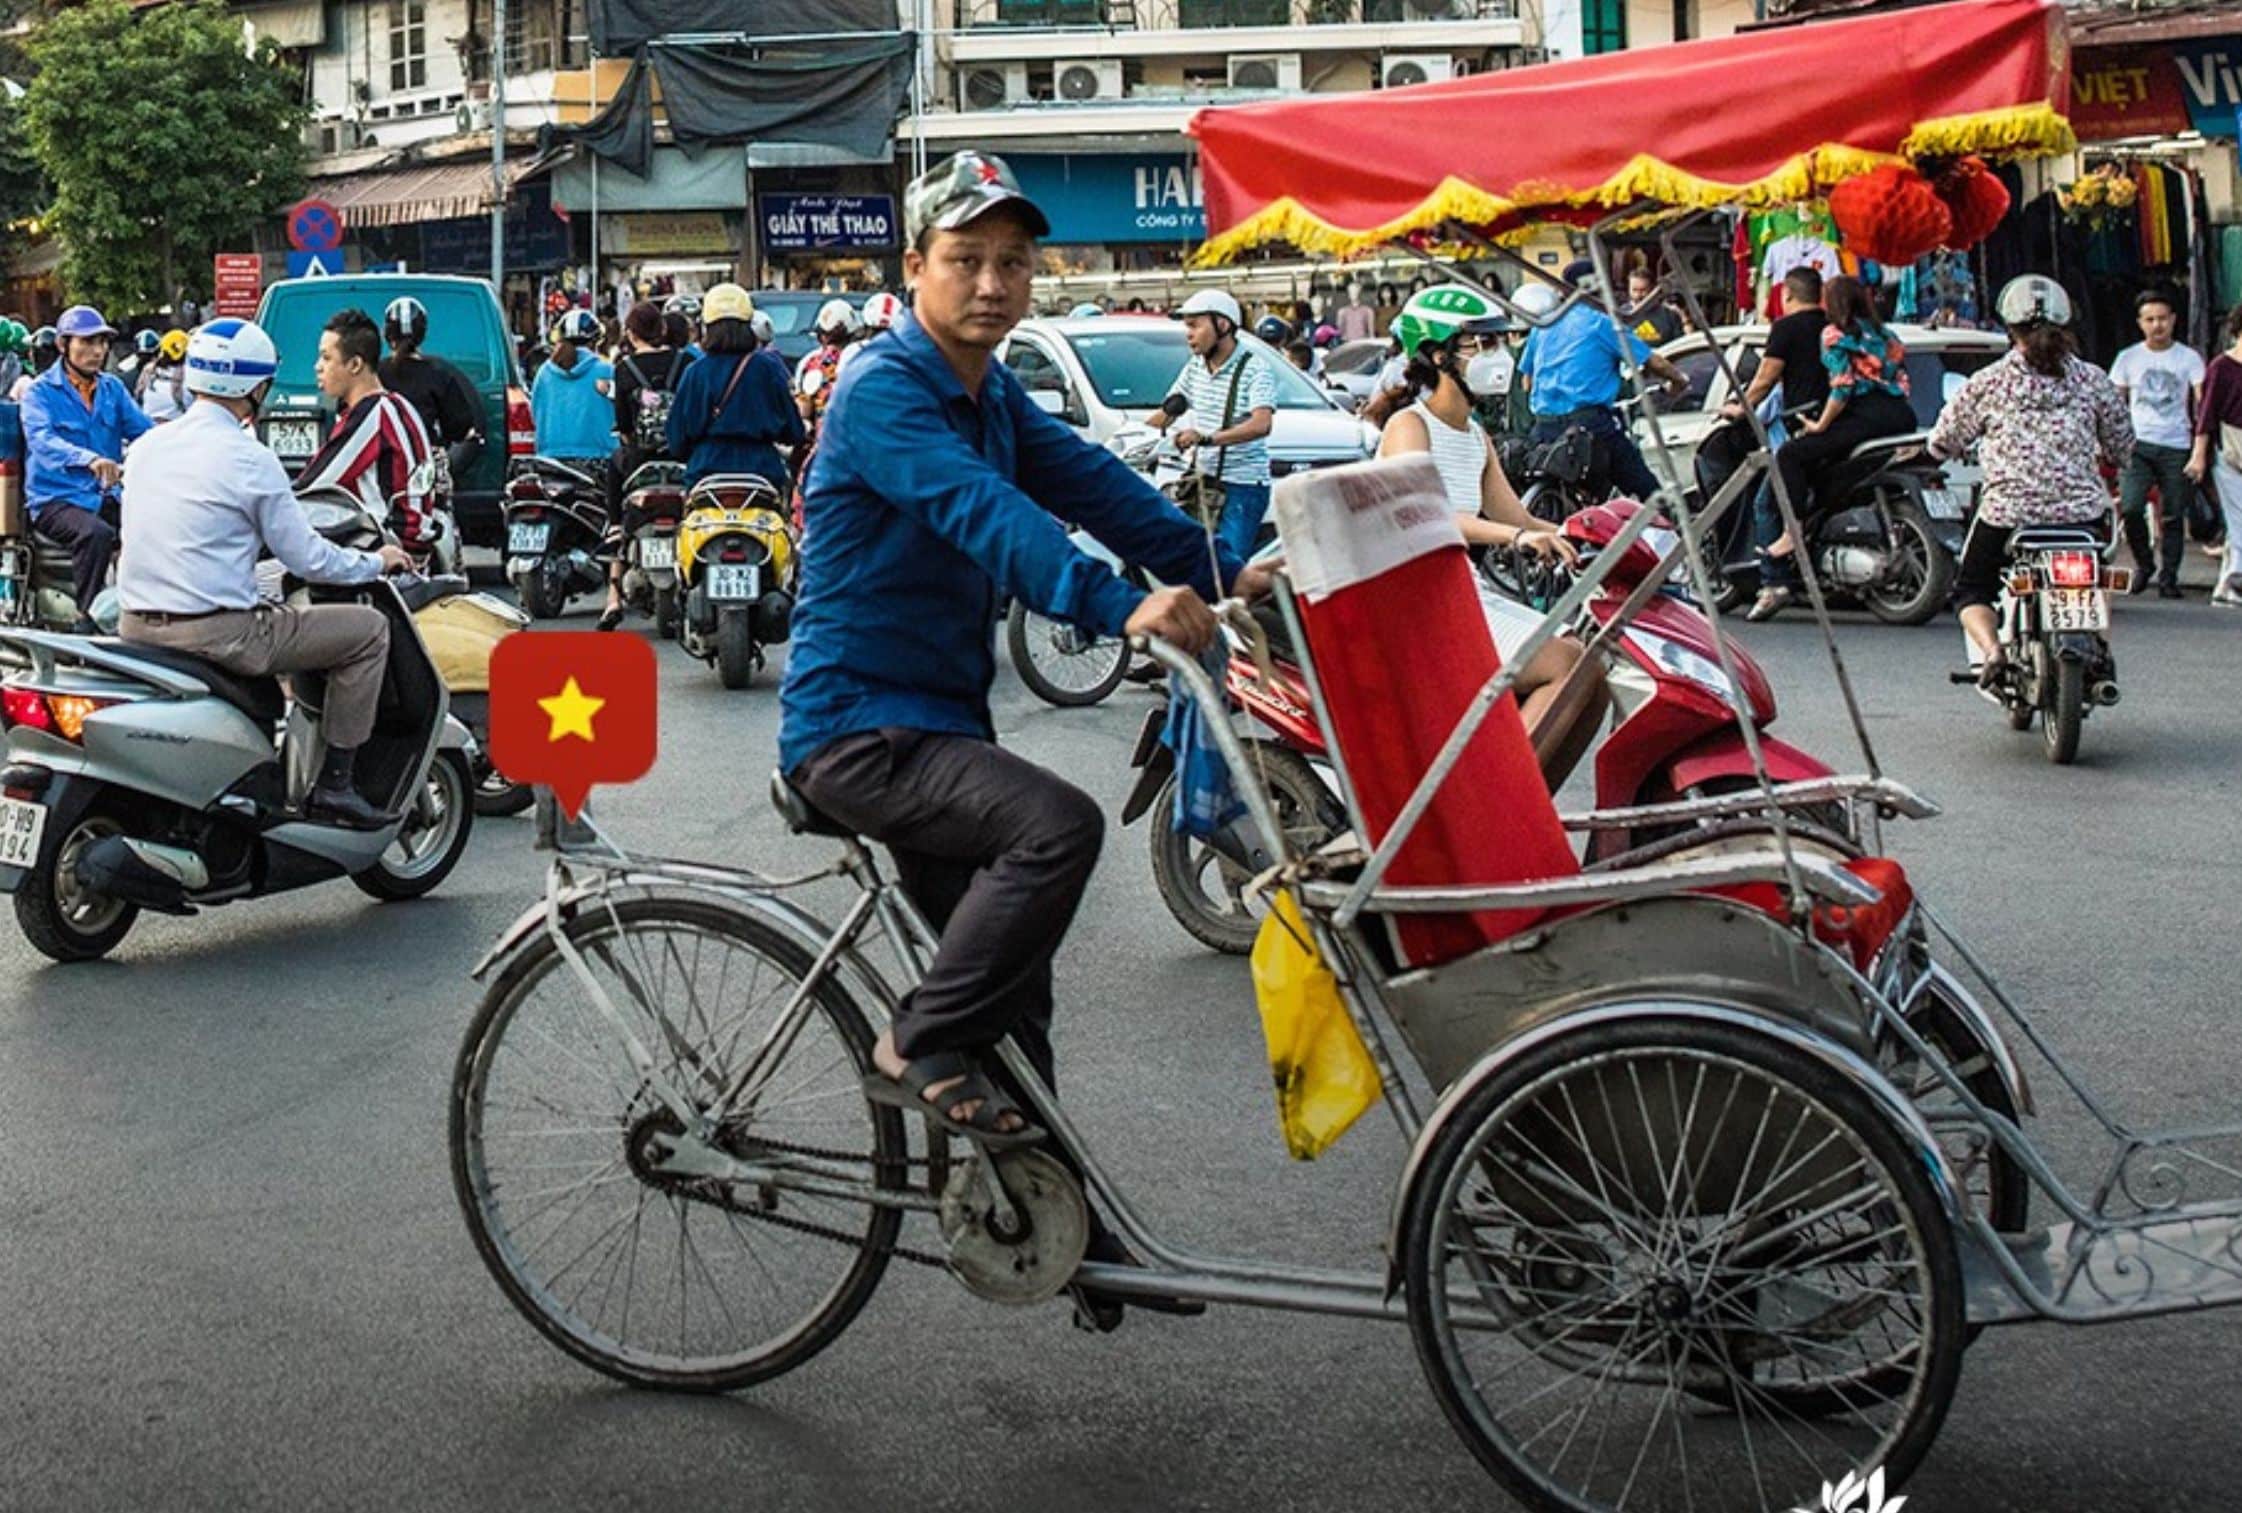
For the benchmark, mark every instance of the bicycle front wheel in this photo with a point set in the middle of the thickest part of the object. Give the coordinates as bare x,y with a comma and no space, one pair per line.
690,1284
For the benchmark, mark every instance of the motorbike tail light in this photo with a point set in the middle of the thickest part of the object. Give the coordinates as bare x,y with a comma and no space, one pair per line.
532,514
521,428
2074,570
2119,579
70,711
734,551
25,706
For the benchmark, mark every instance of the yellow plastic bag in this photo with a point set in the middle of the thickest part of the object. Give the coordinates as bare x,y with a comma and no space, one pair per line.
1324,1076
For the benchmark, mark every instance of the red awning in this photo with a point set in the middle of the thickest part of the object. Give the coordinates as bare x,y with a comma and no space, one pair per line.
1759,119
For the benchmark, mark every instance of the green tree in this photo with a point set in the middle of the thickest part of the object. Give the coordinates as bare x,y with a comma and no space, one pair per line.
164,141
23,193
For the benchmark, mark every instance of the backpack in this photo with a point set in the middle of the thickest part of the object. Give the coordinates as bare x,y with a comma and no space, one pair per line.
650,425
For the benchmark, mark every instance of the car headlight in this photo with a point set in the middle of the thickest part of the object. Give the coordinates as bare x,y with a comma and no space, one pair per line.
1682,662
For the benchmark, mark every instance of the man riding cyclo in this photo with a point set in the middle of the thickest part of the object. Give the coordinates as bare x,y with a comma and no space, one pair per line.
77,421
938,482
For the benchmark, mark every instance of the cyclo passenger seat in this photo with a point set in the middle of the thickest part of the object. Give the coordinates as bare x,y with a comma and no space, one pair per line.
801,816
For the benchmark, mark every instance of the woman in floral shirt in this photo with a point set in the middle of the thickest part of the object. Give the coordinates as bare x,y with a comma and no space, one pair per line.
2042,420
1867,399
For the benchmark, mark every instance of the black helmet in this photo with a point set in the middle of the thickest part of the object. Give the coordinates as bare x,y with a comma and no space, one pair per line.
45,348
405,322
1273,329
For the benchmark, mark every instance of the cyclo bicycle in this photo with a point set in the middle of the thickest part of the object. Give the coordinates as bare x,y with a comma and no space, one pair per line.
1714,1169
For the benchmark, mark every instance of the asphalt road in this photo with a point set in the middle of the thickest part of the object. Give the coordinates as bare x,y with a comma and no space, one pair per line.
232,1274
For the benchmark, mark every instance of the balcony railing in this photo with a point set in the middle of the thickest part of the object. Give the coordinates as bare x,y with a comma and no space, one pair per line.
1169,15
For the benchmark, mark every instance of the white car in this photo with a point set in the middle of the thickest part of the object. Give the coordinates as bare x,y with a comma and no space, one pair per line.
1101,374
1939,360
1353,368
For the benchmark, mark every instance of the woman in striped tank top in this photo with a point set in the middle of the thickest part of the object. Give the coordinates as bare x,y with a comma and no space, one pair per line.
1433,329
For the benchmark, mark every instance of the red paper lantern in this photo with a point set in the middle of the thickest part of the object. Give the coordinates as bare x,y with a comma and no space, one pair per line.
1976,198
1891,215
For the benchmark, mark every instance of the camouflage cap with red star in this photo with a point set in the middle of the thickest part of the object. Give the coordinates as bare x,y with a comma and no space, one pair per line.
962,188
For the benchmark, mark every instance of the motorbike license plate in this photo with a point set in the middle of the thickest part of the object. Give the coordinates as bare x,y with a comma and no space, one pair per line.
21,825
1945,504
527,540
292,438
2076,609
731,580
657,551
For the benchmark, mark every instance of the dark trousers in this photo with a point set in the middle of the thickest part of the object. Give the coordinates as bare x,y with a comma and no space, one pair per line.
93,546
994,851
1804,458
1618,461
2164,468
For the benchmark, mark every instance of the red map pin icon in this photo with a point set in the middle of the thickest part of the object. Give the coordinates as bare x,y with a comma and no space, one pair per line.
572,708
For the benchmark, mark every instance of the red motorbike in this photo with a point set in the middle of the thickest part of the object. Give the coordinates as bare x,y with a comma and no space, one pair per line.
1674,735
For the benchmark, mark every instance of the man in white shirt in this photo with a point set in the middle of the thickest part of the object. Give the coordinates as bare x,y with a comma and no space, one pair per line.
203,496
1232,406
2162,381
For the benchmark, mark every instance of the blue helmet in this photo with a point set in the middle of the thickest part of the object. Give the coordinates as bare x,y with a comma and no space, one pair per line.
82,320
579,326
146,343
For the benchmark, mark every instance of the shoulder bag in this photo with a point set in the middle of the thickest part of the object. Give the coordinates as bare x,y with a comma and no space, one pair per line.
1202,495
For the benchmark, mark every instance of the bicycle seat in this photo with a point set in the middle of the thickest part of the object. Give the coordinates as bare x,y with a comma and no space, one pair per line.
801,816
258,698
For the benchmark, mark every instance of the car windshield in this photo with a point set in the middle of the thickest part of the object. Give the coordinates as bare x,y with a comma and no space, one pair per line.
793,316
1132,364
459,327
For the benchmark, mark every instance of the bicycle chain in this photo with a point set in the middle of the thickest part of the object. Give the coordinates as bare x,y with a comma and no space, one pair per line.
824,1231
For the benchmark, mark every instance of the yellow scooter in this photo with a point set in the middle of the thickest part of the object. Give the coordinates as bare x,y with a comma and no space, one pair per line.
735,559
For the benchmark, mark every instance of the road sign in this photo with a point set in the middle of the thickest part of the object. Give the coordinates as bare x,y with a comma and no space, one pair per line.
315,226
313,264
238,285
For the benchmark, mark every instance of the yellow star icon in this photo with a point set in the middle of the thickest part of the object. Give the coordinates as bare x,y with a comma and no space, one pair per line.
571,711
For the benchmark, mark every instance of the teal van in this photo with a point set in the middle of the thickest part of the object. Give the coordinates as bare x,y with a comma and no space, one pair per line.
464,327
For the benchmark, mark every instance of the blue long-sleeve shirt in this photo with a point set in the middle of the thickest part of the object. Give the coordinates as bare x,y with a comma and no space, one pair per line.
63,438
757,420
922,500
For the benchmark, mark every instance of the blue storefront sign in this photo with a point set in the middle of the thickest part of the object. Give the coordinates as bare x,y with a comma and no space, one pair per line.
537,240
2211,82
826,222
1116,196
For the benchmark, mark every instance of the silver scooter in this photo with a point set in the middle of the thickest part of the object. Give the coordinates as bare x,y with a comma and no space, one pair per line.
144,778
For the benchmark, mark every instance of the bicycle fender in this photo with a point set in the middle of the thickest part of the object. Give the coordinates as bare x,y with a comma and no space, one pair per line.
1906,1121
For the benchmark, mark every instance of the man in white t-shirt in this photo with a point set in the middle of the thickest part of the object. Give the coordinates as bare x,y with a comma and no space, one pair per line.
2161,379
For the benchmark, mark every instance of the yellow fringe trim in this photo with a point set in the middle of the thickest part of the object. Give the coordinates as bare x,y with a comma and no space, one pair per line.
2012,131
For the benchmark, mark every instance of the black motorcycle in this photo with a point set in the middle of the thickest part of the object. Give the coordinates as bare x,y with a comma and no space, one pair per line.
1880,546
556,521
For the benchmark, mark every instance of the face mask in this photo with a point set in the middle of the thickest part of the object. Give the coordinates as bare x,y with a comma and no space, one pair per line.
1488,373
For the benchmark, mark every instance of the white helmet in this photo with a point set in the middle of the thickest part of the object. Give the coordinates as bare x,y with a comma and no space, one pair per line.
761,325
1213,302
1535,298
230,358
837,315
2033,300
881,310
579,326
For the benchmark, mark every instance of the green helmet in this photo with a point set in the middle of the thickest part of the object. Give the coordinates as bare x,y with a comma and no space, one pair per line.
1445,311
14,338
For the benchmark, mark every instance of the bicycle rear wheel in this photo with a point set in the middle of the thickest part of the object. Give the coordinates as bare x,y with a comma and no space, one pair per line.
690,1284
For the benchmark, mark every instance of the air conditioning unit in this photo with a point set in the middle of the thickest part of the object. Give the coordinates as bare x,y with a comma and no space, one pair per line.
992,87
1086,78
472,115
1401,69
1278,72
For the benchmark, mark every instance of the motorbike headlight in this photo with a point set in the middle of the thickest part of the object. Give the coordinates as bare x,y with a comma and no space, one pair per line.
1682,662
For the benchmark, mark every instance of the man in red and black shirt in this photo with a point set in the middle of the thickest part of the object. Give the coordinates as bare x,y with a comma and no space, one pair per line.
379,442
